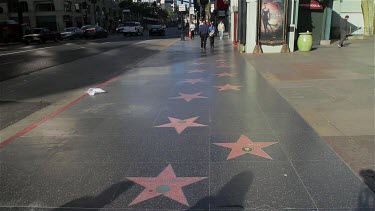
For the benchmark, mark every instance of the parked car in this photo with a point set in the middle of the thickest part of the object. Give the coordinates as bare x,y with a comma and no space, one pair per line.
120,28
41,35
93,31
132,28
72,33
157,30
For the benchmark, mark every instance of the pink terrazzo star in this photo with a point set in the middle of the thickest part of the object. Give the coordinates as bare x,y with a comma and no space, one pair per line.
196,71
189,97
181,124
245,146
223,66
166,184
194,81
228,87
225,74
221,60
199,63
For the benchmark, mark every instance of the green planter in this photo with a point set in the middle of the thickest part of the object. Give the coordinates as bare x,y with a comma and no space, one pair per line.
304,42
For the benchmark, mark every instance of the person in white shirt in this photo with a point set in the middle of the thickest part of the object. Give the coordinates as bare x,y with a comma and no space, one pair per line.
192,30
221,29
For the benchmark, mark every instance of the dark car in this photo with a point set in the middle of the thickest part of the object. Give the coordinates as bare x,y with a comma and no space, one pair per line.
41,35
157,30
72,33
94,32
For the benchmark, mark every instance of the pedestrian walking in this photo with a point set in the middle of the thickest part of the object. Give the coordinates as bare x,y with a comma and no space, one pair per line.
212,29
343,30
221,29
192,30
203,33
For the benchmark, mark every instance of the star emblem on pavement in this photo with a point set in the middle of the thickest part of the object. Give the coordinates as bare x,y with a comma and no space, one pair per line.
198,63
189,97
221,60
245,146
225,74
181,124
223,66
196,71
166,184
228,87
194,81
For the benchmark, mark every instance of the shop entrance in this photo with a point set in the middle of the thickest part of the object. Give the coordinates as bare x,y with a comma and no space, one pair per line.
312,21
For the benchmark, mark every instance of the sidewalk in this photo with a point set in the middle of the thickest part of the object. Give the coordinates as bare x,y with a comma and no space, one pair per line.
184,130
333,90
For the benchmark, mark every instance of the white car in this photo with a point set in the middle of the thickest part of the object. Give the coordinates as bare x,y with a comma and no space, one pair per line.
120,28
132,28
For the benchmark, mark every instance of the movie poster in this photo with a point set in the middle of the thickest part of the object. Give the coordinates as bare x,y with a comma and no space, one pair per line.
271,22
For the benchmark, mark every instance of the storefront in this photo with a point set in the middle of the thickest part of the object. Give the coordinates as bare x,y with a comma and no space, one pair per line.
311,18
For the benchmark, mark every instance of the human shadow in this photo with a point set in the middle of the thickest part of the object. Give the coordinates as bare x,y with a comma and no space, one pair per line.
335,28
231,196
366,198
99,201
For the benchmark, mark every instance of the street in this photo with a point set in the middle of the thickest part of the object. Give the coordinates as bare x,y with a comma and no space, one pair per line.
20,59
177,129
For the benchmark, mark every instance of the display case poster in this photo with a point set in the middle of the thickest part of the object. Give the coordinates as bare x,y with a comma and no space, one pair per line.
271,22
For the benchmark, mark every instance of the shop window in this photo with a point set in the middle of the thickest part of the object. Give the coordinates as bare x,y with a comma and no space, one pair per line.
45,7
67,6
1,10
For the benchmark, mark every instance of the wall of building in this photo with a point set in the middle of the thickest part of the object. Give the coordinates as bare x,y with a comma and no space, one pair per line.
60,19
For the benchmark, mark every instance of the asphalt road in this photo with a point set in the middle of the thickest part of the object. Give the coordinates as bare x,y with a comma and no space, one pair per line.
37,76
19,60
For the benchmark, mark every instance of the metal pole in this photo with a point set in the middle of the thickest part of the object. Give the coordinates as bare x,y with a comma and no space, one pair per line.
182,27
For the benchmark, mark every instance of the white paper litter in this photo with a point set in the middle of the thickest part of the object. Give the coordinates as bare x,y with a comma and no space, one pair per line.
93,91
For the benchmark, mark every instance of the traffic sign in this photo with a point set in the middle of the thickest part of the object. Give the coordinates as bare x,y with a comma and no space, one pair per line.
182,8
191,10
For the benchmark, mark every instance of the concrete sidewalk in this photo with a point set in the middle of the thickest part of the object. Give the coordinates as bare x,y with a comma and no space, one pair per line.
333,90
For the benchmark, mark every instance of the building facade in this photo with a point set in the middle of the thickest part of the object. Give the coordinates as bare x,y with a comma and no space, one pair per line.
59,14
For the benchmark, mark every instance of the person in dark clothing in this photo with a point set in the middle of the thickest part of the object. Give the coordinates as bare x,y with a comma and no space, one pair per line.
203,32
212,29
343,30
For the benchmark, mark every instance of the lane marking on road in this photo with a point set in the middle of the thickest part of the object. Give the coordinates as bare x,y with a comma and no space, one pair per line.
77,48
11,62
17,52
58,111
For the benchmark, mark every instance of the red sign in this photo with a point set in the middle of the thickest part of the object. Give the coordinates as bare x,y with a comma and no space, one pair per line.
222,5
312,5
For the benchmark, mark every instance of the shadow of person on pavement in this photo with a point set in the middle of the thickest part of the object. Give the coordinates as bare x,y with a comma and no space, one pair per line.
231,196
97,202
366,198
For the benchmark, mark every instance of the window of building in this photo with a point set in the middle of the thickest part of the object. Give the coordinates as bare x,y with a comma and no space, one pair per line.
44,7
78,7
67,6
1,10
24,6
13,6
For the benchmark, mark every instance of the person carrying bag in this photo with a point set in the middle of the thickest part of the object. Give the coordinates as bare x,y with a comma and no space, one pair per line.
212,30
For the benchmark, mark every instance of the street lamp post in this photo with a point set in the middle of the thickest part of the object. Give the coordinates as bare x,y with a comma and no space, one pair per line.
182,27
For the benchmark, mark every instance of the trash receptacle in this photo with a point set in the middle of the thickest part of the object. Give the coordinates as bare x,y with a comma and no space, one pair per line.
304,42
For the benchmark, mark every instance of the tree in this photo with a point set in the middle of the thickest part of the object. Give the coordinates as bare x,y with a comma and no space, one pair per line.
368,16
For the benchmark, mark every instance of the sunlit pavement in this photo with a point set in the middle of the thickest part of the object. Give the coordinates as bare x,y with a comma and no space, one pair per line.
185,130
